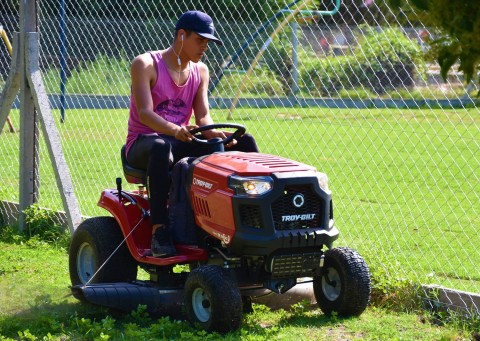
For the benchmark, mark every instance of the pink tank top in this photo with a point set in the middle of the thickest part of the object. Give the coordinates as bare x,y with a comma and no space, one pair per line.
170,101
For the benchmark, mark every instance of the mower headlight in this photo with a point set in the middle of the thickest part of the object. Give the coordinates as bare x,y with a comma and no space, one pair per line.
250,186
323,181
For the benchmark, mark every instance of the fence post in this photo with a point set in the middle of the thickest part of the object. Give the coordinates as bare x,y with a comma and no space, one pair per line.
294,27
63,61
27,77
29,132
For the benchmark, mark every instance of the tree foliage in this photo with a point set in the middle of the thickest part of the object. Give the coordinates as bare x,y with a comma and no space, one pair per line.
458,26
357,12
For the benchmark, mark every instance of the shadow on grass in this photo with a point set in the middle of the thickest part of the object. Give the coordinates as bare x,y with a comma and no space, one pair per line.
75,319
270,323
45,316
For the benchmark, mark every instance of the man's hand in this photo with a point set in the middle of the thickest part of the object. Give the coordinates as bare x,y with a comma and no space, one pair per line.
209,134
183,133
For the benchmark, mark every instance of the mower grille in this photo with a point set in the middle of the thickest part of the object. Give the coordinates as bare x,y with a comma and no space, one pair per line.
294,265
250,216
298,208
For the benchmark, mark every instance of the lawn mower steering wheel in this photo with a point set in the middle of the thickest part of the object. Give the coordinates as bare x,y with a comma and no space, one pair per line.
237,133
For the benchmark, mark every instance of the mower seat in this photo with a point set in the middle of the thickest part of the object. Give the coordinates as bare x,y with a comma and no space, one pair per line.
132,175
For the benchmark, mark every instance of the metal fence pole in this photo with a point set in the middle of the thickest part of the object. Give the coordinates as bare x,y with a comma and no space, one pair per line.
63,61
35,109
294,27
29,132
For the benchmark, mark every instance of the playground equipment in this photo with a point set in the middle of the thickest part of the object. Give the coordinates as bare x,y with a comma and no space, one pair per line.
9,48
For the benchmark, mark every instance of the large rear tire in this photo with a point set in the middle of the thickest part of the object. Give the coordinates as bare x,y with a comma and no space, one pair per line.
213,300
344,283
93,242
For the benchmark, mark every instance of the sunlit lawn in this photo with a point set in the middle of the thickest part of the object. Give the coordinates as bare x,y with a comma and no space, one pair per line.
405,182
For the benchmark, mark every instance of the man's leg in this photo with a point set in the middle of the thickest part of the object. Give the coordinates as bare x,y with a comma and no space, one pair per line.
186,149
246,143
154,154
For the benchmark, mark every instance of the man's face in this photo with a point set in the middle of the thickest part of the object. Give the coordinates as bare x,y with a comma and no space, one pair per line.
195,46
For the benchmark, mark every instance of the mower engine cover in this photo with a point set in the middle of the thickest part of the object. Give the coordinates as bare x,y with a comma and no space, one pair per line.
258,204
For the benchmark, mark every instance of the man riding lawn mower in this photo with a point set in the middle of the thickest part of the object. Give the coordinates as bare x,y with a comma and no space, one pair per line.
243,223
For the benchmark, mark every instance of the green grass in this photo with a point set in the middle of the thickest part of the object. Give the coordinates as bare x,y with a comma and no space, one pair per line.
36,304
405,182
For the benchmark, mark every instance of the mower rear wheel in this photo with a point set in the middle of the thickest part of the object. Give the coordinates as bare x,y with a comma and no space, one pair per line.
213,300
344,283
93,242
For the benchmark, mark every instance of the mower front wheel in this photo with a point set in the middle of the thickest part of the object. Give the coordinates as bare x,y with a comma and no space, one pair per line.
344,283
213,300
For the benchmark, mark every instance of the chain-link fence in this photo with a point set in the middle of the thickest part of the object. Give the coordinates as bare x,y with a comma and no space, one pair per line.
349,92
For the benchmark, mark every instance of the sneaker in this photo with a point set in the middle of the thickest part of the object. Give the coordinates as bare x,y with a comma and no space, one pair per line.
162,245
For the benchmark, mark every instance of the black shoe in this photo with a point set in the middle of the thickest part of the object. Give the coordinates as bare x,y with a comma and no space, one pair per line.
162,245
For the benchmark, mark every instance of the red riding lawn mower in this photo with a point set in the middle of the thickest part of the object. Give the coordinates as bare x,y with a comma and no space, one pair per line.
243,224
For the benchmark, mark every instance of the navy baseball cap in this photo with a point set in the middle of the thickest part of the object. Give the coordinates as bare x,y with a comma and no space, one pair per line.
200,23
